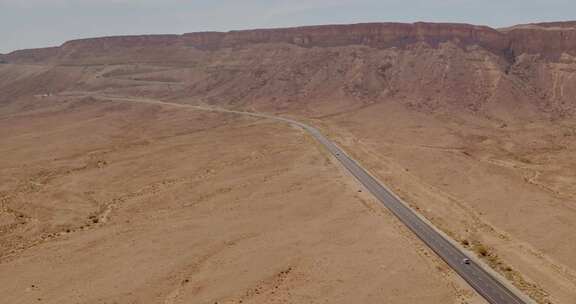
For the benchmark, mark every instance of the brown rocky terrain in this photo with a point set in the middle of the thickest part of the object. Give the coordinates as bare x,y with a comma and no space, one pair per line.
473,126
125,202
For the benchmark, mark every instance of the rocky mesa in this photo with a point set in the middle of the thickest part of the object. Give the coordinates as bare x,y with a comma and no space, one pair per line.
548,39
425,65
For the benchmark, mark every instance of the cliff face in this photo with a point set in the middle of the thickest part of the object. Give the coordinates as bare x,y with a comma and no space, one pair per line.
548,39
378,35
120,42
560,24
32,55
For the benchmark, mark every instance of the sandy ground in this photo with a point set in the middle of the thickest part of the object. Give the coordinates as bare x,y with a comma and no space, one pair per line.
506,191
471,152
107,202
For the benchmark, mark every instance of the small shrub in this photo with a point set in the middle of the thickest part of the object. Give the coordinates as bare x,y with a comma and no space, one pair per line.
481,250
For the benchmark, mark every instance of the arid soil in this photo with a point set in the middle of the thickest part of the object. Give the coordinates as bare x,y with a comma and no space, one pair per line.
506,192
108,202
472,126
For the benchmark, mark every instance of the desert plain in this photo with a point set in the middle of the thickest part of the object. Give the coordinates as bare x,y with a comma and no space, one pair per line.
115,189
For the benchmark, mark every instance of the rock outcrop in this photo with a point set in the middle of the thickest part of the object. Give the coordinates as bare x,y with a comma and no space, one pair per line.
32,55
380,35
105,43
550,40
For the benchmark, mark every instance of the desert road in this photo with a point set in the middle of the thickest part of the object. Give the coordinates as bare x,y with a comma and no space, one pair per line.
485,283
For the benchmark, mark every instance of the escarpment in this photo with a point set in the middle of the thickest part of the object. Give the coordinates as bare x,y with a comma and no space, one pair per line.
548,39
379,35
427,66
550,42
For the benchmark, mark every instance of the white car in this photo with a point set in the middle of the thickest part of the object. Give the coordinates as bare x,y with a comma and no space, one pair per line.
466,261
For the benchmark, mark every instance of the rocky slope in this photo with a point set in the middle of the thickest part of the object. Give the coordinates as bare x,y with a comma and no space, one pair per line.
426,66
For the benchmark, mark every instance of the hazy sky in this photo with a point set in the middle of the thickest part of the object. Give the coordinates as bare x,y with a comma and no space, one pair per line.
39,23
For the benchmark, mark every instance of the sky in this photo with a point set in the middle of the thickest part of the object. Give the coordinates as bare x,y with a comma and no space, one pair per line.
41,23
